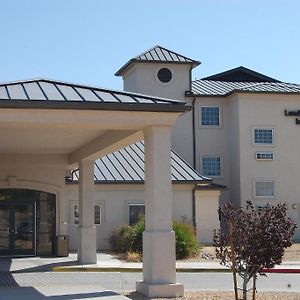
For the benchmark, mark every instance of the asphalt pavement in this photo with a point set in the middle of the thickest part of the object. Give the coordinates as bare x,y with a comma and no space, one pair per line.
34,278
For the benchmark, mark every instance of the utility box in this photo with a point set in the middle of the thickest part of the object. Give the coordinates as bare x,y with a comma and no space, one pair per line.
62,245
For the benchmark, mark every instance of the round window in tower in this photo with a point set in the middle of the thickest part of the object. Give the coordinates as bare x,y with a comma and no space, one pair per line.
164,75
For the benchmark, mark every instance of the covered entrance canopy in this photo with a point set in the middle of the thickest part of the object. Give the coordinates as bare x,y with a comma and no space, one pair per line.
47,127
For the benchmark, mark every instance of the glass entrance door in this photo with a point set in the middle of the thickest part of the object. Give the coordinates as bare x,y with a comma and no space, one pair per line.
27,222
4,226
17,222
23,228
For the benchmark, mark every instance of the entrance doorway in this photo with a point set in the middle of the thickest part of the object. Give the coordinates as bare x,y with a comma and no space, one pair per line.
27,222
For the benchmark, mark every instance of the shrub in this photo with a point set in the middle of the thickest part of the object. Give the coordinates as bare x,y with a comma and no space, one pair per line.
137,236
121,239
186,243
130,239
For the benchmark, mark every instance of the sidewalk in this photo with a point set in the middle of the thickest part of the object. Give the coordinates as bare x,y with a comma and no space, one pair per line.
109,263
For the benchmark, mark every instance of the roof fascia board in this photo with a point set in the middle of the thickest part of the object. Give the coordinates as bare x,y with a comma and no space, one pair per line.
71,105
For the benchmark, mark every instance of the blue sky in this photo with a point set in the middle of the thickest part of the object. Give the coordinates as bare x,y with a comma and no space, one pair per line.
86,41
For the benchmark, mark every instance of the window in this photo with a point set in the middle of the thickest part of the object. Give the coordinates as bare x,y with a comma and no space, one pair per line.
263,136
211,165
76,214
136,212
265,188
164,75
266,155
97,214
210,116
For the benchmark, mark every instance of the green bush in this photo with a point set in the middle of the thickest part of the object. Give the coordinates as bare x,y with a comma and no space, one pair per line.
121,239
186,243
130,239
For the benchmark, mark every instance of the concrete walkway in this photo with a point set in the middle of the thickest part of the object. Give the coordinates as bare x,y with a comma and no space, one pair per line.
110,263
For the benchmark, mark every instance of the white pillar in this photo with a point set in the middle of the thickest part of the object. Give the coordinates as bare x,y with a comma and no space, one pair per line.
159,260
87,243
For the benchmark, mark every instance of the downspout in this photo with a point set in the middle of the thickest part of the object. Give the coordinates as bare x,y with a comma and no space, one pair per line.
194,150
194,162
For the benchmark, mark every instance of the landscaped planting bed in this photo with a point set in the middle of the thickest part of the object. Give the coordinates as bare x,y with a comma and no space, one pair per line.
221,296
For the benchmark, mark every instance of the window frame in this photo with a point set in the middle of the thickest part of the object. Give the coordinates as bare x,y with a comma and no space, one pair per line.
220,116
263,128
264,153
73,218
256,180
221,165
129,205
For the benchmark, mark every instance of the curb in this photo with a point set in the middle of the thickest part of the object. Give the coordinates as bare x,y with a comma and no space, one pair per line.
178,270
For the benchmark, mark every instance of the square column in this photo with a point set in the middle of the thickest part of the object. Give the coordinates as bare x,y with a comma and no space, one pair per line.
87,240
159,258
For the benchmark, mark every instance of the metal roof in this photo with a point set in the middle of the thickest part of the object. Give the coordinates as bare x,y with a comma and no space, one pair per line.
127,166
225,88
50,93
241,74
161,55
47,93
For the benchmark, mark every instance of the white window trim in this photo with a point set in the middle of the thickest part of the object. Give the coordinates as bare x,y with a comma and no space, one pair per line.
210,126
264,159
71,213
267,128
264,180
221,165
128,208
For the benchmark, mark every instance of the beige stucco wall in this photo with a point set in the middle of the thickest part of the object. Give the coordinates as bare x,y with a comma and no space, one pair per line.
140,73
284,169
213,140
207,219
116,198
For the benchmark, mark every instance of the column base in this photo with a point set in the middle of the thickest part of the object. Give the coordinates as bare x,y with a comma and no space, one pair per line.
160,290
87,245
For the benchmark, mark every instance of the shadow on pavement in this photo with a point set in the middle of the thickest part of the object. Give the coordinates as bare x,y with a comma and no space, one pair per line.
32,293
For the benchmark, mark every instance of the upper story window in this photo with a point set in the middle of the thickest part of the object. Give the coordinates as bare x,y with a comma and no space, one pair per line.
263,136
210,116
264,188
136,212
211,166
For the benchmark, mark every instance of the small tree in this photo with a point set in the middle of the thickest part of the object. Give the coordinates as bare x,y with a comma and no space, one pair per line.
255,239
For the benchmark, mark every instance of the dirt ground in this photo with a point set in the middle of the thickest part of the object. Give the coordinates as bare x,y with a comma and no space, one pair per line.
221,296
208,253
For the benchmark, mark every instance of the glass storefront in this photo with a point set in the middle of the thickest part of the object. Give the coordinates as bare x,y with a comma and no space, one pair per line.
27,222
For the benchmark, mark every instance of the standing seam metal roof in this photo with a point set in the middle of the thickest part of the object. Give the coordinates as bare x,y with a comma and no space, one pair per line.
51,90
161,55
224,88
127,166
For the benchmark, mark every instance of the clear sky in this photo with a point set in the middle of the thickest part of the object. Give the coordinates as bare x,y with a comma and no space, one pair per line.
86,41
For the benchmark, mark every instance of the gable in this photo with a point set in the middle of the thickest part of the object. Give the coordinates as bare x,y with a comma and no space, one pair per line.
240,74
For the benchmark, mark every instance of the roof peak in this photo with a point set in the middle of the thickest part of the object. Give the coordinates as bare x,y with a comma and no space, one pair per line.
158,54
240,74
